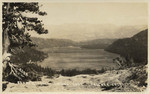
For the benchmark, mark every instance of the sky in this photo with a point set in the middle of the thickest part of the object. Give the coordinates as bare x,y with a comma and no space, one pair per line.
102,13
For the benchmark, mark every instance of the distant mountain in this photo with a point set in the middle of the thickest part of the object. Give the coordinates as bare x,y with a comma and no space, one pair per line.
97,43
91,44
49,43
85,31
132,48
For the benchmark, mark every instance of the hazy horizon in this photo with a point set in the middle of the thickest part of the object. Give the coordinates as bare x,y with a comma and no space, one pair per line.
94,31
86,21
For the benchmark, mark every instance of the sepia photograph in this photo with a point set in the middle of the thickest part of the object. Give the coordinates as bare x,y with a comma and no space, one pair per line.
74,46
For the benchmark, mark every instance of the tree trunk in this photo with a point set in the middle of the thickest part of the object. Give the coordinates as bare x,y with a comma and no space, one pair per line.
8,68
6,41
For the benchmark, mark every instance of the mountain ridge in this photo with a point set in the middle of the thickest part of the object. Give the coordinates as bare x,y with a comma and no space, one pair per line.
90,44
134,48
84,32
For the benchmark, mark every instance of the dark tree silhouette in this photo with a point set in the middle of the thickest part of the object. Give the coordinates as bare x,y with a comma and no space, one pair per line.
16,26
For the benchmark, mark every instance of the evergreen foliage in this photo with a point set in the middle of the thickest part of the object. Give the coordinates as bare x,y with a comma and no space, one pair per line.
16,24
133,49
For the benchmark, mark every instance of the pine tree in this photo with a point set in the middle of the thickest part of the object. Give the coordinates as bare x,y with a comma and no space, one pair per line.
16,26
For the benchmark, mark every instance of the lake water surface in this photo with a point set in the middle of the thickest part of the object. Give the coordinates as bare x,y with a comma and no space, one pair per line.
78,58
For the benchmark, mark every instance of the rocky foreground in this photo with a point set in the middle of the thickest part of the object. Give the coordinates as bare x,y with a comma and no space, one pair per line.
123,80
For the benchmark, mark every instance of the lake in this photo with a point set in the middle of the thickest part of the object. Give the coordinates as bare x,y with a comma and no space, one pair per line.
78,58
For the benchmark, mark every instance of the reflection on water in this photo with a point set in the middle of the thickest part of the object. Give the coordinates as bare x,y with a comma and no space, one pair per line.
77,58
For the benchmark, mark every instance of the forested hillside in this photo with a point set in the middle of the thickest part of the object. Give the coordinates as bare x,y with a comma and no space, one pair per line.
134,48
90,44
27,54
49,43
97,43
